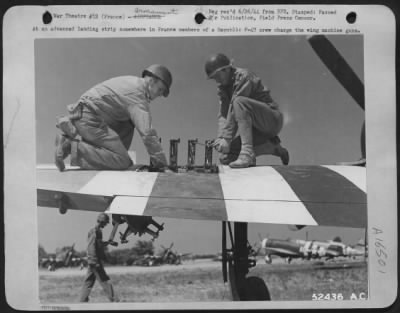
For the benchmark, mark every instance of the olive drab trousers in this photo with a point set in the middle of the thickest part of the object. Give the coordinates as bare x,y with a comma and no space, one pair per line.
102,146
257,124
96,271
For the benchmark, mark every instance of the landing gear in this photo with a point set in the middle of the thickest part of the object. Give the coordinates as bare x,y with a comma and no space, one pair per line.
236,264
255,289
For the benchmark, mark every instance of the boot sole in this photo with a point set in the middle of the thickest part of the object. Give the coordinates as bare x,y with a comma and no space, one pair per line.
238,166
252,165
361,162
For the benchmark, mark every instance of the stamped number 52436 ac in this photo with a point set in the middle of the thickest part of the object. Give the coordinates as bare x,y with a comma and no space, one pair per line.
338,296
327,296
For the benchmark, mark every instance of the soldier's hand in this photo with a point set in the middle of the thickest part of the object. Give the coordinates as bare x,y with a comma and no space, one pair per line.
221,145
94,265
110,242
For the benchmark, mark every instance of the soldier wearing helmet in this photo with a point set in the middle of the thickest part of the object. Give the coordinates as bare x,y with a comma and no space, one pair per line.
249,120
99,128
96,256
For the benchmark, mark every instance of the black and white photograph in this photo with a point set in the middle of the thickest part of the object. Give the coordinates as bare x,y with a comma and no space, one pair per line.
202,169
280,86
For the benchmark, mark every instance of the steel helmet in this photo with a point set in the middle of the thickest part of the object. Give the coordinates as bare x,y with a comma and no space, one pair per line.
103,217
215,63
162,73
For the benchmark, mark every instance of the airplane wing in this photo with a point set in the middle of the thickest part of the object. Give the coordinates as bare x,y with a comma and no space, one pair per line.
332,254
301,195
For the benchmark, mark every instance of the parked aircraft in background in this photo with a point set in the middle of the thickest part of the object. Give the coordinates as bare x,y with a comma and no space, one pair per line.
65,257
166,256
307,249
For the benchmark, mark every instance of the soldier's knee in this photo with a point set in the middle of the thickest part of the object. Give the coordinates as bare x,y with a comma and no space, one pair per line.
127,162
123,162
239,103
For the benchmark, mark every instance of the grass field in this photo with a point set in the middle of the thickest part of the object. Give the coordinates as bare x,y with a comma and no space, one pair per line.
203,282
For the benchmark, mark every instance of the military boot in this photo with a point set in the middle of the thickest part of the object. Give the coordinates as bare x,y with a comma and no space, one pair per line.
63,149
283,153
247,156
266,148
226,158
243,161
273,147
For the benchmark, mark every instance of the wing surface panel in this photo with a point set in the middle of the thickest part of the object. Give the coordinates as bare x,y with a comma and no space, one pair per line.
127,183
352,173
196,209
68,181
73,201
255,183
283,251
189,195
262,195
327,195
276,212
128,205
302,195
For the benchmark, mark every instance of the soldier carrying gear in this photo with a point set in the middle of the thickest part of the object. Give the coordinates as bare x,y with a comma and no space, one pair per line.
99,129
96,256
249,120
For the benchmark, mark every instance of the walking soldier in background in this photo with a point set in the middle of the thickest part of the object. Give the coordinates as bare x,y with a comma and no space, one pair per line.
246,109
96,256
100,126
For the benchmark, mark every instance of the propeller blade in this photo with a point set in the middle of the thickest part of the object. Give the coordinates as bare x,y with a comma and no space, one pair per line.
339,68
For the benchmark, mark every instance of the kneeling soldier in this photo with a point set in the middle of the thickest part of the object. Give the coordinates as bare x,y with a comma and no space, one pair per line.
100,126
246,108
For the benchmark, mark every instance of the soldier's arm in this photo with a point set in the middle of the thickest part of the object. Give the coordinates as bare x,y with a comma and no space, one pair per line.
226,127
142,121
247,83
244,85
221,124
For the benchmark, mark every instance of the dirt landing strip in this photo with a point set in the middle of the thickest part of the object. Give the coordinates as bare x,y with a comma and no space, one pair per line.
201,280
204,264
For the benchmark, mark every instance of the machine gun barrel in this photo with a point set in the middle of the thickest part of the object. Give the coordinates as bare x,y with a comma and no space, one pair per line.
191,153
173,153
208,154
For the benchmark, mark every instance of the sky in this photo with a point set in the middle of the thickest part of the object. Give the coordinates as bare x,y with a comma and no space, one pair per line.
322,121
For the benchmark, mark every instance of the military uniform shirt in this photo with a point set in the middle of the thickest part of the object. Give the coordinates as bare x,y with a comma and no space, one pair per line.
123,98
95,249
245,84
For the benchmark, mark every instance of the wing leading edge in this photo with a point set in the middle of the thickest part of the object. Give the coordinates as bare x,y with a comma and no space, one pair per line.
302,195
